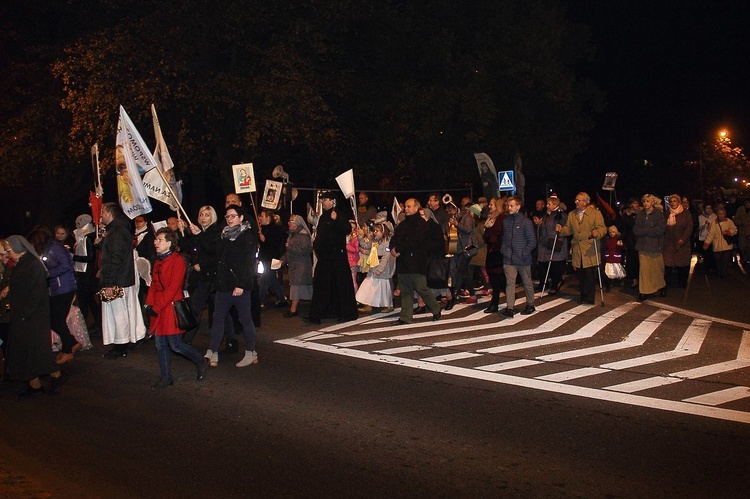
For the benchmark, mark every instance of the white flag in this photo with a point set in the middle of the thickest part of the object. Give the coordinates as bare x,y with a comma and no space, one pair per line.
395,210
152,181
131,155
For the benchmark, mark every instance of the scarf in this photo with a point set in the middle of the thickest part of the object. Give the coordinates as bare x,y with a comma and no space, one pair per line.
162,256
672,220
80,245
233,233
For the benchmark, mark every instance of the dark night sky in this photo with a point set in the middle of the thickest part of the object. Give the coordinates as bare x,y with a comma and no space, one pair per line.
674,73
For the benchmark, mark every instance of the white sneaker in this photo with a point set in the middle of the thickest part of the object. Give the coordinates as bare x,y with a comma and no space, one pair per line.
212,358
250,358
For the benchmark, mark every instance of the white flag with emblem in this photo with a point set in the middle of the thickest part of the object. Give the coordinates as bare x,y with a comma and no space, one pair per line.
131,155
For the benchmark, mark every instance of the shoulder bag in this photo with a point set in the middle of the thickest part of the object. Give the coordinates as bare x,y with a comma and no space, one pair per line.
187,319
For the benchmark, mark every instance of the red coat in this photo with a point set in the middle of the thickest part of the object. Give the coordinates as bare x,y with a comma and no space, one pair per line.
612,251
167,278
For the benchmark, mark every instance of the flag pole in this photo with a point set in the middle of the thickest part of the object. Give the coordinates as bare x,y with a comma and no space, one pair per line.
157,132
98,190
174,196
255,212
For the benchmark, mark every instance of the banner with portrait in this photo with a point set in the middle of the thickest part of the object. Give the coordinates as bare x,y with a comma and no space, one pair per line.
132,158
487,175
271,195
244,178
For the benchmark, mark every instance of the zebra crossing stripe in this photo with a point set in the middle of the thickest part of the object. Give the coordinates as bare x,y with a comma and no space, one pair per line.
636,338
451,357
689,344
742,361
721,397
549,326
586,331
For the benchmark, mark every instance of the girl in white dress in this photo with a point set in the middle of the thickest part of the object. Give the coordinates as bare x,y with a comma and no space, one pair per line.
376,290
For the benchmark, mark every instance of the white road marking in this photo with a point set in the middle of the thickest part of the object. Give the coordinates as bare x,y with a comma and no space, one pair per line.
721,397
742,361
358,343
451,357
586,331
593,393
407,349
549,326
689,344
636,338
507,366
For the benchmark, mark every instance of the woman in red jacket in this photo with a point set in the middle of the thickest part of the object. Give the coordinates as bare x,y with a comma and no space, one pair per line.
167,279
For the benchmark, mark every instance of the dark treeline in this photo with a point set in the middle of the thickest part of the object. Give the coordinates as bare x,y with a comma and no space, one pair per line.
403,92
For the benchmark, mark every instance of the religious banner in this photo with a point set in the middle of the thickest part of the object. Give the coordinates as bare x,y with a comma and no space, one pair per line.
132,158
271,195
244,178
487,175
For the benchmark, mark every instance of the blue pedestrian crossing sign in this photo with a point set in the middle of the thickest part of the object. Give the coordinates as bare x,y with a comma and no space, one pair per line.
505,180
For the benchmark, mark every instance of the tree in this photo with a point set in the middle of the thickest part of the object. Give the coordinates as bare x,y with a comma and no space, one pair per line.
722,162
403,92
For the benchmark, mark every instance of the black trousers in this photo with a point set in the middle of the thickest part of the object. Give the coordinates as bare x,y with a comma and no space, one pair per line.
497,281
586,279
59,306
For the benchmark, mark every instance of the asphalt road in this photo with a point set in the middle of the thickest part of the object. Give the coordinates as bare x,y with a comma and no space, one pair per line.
306,423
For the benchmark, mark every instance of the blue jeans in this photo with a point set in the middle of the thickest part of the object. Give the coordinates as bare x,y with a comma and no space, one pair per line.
223,302
165,343
202,294
511,271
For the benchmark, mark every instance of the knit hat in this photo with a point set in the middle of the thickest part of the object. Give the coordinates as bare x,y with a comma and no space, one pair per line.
83,220
475,209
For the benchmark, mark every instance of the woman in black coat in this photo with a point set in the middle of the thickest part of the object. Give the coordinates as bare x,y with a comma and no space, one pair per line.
204,242
29,348
235,280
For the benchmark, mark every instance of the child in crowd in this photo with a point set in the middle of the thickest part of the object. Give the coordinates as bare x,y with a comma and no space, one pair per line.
352,252
376,290
613,251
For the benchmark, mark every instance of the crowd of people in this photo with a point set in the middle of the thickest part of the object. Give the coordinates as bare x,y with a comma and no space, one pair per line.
123,279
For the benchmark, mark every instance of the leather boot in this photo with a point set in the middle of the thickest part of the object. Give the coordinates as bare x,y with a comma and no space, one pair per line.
451,301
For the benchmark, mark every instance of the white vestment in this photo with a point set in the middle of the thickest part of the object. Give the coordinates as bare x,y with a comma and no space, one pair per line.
122,319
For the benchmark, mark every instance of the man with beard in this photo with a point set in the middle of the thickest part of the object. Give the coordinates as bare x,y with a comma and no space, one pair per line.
333,289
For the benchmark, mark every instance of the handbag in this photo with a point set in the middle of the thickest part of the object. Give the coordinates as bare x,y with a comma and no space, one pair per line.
437,272
471,250
187,319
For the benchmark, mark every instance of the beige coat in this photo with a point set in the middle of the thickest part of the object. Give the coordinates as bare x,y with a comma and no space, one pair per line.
582,247
716,237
